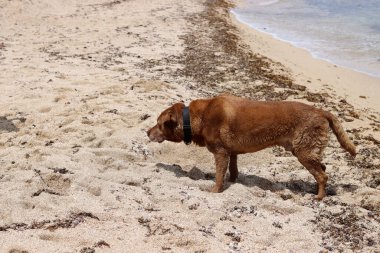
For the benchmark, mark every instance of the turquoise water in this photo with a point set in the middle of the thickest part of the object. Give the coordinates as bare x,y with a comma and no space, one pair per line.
344,32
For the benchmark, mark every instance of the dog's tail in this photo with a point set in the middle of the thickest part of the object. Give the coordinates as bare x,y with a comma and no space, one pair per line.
341,135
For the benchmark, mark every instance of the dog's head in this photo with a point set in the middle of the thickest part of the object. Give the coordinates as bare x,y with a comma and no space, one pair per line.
169,125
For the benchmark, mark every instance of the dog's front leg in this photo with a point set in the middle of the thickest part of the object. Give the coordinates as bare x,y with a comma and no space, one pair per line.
221,162
233,168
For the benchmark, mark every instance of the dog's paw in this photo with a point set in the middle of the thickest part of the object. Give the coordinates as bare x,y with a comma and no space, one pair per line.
318,198
216,189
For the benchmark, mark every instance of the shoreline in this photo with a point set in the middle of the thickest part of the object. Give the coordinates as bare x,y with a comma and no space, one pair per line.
304,65
312,54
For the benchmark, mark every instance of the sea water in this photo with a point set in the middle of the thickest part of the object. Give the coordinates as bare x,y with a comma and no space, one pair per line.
344,32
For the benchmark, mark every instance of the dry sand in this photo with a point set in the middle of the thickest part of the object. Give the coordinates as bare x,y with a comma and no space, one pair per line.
81,82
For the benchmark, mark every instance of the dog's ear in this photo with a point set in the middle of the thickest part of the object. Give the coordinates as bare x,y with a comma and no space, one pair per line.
171,122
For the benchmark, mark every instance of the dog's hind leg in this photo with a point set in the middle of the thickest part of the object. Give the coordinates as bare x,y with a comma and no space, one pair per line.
308,148
233,168
221,163
316,168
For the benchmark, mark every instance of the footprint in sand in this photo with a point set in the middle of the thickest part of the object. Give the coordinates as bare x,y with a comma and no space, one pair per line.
53,184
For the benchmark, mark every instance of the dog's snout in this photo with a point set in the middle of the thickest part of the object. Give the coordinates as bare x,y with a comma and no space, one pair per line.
155,135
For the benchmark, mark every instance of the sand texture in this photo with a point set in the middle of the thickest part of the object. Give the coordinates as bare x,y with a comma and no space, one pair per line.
82,81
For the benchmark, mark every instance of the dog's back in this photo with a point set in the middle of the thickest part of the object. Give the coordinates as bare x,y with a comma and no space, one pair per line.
247,126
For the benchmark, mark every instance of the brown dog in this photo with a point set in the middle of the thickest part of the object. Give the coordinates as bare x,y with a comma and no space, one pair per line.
228,126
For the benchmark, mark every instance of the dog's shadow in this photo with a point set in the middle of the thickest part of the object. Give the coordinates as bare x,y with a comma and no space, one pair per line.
7,125
194,173
295,186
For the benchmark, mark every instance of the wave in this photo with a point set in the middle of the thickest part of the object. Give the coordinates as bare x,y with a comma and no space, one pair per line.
266,3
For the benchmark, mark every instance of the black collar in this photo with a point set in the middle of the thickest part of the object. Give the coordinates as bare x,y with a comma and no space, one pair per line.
186,125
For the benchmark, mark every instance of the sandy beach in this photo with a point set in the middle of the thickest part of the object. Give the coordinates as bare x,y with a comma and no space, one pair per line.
81,83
